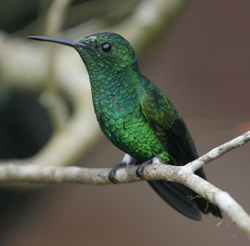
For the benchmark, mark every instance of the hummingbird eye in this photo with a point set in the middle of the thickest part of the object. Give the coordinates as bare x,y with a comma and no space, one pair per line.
106,48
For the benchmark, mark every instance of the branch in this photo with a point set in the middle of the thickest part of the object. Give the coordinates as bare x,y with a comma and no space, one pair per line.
17,171
219,151
12,173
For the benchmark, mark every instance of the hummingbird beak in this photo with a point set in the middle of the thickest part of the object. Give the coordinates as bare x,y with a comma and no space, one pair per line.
71,43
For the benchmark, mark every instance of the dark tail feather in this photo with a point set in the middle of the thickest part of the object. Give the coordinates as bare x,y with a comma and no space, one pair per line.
184,200
208,207
176,198
205,206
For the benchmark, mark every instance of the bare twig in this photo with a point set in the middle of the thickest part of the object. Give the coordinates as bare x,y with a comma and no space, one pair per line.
220,150
13,173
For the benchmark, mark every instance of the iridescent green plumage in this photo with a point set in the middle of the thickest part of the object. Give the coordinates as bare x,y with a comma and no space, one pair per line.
121,95
137,117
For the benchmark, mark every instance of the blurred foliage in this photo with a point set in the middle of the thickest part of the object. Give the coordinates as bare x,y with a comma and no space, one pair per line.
16,15
24,126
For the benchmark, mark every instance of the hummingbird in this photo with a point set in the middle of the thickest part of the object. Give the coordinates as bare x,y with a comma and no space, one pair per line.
138,118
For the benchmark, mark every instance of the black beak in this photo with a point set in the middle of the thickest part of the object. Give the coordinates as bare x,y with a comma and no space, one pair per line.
71,43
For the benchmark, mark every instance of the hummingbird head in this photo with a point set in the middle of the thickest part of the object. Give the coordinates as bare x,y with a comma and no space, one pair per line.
110,49
102,49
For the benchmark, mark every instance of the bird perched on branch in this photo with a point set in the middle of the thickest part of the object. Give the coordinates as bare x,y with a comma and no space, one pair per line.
137,117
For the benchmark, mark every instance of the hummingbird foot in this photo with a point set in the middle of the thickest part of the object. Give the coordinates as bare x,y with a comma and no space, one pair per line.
113,171
127,160
139,170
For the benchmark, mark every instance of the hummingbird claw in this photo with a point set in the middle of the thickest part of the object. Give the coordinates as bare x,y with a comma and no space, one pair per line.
112,176
139,170
113,171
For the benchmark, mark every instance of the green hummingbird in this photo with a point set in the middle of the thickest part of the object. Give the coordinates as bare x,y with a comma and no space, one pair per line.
137,117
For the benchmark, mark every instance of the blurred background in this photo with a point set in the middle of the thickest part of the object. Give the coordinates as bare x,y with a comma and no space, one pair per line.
197,52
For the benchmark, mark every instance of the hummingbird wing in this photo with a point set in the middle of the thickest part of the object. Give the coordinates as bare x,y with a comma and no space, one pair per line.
174,136
168,126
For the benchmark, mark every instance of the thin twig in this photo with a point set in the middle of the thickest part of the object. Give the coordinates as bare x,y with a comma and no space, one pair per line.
13,173
219,151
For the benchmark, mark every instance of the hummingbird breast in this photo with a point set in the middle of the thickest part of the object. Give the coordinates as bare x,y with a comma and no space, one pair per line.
121,119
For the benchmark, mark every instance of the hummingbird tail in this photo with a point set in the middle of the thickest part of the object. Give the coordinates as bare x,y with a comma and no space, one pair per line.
184,200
